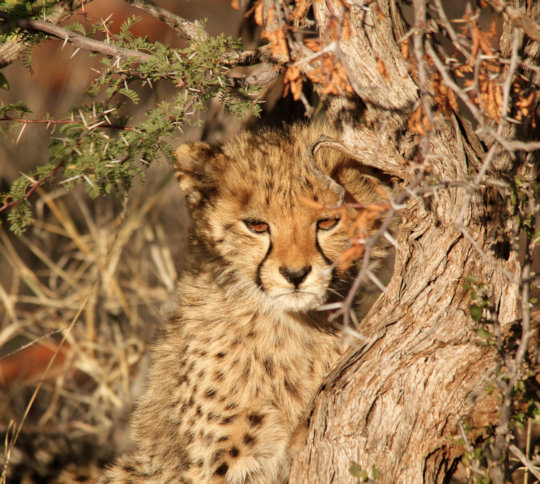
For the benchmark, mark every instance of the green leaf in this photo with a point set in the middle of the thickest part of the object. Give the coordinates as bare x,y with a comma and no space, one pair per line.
4,84
476,313
483,333
357,471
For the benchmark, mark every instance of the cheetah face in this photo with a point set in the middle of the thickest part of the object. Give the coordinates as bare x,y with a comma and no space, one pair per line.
284,252
248,205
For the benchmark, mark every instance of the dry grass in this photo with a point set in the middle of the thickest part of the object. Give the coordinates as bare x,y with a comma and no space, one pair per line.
80,293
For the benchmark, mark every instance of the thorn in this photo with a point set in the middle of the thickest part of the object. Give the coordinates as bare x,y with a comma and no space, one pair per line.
376,281
391,239
75,53
21,133
330,306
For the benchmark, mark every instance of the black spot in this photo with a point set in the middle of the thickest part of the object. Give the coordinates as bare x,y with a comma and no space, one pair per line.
247,369
255,419
200,463
210,393
228,420
209,438
222,469
211,416
248,439
269,366
183,379
231,406
219,376
217,455
221,354
234,452
223,438
201,373
199,411
291,388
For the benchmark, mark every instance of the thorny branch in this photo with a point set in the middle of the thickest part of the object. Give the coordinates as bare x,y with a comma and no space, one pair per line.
77,40
185,28
518,17
35,186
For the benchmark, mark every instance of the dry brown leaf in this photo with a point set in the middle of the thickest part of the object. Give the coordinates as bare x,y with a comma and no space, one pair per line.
346,27
278,43
293,81
381,69
419,122
300,9
405,48
313,44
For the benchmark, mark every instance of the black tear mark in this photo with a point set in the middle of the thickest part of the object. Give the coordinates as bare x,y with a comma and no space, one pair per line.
258,279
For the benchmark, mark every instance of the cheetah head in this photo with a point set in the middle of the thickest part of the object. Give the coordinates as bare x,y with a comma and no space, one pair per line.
248,204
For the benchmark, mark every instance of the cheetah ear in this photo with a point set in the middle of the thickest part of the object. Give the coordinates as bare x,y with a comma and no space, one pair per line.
195,170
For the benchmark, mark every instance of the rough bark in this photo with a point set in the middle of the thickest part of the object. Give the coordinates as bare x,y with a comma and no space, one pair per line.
13,48
396,403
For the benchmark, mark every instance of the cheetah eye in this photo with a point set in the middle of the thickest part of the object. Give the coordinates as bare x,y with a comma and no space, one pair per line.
256,226
327,223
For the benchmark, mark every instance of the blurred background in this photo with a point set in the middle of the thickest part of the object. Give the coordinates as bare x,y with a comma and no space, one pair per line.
106,264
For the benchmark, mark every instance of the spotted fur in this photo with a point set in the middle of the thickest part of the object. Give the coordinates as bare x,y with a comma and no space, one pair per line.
238,364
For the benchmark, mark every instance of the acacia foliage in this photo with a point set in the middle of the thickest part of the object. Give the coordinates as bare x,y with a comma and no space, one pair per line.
98,143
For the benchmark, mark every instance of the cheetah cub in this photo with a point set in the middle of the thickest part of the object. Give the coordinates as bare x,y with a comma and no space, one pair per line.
237,366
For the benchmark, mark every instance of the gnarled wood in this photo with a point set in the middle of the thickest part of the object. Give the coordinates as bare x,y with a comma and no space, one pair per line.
396,403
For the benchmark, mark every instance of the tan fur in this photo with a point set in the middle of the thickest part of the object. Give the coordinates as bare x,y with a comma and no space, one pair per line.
240,361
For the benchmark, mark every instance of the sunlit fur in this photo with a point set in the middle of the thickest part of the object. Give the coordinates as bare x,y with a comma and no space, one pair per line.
245,350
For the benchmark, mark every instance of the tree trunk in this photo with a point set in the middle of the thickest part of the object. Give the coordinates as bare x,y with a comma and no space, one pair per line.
397,402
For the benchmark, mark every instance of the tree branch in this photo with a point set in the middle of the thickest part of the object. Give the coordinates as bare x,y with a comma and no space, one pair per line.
76,39
186,29
518,18
10,51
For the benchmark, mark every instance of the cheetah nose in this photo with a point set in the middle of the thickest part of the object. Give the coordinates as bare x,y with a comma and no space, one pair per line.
295,276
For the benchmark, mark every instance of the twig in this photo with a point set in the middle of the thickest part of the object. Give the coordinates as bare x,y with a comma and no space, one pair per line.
518,18
526,462
456,42
34,187
61,121
76,39
443,70
370,243
185,28
484,256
